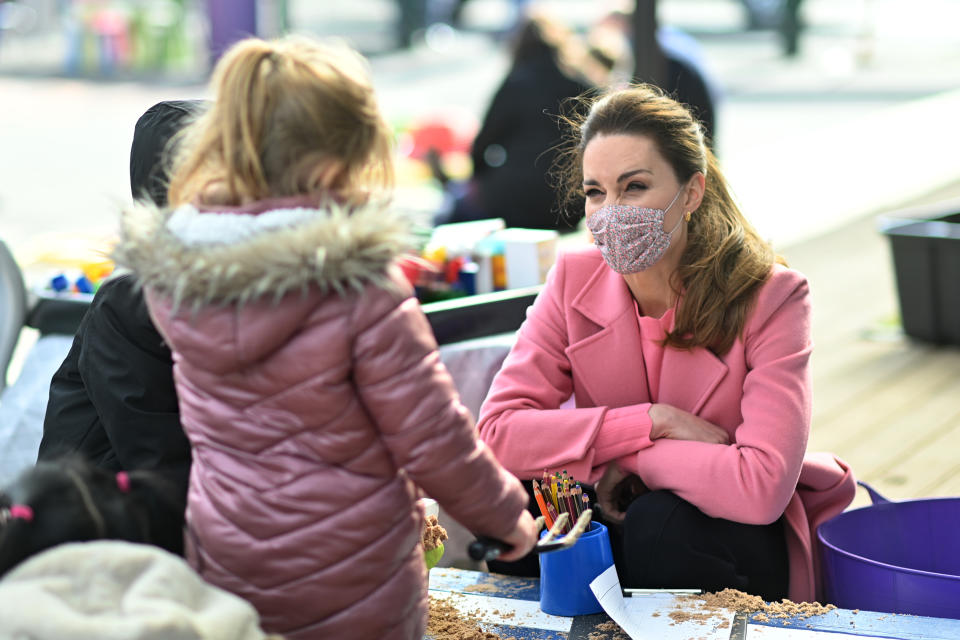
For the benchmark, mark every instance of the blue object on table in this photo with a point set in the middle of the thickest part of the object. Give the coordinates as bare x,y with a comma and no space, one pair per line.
565,576
59,283
84,285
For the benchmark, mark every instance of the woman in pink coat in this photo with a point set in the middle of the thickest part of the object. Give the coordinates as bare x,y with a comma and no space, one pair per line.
308,378
668,366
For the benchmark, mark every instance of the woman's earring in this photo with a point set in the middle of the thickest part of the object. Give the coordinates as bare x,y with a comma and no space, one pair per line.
687,215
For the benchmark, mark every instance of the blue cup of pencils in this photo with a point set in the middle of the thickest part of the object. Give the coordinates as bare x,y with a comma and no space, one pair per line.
565,575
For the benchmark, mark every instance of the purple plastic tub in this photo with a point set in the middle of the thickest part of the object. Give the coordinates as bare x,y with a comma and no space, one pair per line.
897,557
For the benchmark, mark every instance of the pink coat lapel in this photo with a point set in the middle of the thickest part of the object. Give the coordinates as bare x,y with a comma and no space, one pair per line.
689,378
605,356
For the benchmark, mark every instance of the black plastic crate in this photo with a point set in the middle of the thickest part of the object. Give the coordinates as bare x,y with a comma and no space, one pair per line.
926,260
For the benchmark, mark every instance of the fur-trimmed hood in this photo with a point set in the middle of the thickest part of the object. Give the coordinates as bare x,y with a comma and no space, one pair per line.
269,248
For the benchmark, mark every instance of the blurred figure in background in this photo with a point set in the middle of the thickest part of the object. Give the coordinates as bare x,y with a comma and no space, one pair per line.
518,7
411,18
687,78
514,150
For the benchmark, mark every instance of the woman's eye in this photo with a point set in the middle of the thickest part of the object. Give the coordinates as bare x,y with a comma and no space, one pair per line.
634,186
591,193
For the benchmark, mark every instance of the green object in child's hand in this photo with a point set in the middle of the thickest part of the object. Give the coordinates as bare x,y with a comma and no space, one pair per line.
433,556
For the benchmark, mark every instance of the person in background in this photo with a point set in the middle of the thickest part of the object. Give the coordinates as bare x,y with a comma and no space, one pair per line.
517,10
113,400
308,378
516,144
682,343
688,78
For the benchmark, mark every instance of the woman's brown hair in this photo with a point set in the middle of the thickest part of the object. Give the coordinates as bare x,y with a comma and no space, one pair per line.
282,109
725,260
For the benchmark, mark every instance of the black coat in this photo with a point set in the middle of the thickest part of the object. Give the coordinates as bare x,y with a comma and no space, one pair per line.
113,399
522,121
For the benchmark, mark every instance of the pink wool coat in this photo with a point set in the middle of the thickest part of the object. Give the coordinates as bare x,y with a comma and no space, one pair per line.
312,392
581,338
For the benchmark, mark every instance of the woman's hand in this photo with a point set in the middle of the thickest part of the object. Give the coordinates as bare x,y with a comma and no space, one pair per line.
521,539
615,490
677,424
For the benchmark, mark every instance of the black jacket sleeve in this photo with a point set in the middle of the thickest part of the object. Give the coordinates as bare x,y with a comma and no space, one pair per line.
113,398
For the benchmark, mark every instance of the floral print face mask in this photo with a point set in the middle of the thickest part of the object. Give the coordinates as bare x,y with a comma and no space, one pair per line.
631,239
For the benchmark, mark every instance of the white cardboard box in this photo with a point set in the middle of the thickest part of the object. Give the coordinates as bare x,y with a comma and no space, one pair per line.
529,254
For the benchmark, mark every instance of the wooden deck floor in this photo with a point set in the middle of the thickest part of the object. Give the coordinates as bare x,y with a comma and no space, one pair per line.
885,403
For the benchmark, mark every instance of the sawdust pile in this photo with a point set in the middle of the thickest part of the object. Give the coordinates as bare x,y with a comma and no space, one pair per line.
446,622
433,534
495,583
710,604
608,631
481,587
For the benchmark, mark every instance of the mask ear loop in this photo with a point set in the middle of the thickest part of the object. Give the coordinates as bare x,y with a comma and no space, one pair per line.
672,202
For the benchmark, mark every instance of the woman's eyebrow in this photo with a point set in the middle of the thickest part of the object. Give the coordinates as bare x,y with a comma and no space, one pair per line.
629,174
623,176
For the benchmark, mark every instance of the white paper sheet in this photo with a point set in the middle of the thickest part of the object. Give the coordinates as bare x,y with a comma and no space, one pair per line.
606,587
647,617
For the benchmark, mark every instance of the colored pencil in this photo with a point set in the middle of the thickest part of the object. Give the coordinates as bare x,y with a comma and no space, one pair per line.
553,512
538,494
572,508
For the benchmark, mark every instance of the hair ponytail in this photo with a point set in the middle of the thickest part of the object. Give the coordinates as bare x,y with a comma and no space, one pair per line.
283,108
239,79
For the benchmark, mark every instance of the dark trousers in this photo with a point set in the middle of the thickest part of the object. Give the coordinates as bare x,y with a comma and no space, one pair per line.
666,542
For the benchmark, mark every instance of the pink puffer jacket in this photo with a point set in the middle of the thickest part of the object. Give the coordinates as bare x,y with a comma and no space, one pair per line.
313,395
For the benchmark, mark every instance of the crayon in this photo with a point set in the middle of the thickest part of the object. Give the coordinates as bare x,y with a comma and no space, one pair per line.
553,493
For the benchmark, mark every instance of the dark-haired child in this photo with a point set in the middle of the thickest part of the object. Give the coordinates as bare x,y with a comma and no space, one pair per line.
71,500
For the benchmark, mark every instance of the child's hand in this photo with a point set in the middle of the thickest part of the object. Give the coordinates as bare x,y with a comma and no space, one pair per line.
521,539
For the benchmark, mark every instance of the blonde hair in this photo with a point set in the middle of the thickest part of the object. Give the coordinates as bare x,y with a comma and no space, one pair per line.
283,109
725,260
